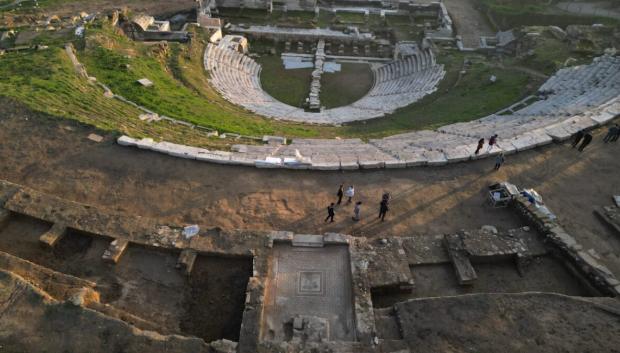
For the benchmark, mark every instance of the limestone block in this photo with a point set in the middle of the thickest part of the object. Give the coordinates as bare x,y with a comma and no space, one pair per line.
126,141
281,236
395,163
371,163
268,162
325,165
458,154
145,143
240,159
213,158
350,164
116,249
308,240
335,238
186,261
53,236
435,158
5,215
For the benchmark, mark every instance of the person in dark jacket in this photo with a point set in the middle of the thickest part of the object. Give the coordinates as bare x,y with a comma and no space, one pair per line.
480,145
330,213
612,133
340,193
578,137
499,160
492,142
383,208
587,138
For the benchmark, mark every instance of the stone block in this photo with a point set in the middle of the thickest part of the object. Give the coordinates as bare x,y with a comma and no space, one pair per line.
53,236
325,165
335,238
371,163
308,240
186,261
349,165
281,236
5,215
127,141
146,143
395,163
116,249
435,158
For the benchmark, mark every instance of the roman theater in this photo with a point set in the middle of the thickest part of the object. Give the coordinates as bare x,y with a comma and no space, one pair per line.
337,176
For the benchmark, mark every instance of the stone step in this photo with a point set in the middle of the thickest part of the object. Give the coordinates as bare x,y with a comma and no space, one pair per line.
53,236
116,249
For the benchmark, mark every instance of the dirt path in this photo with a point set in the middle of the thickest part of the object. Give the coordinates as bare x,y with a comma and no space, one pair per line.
57,158
469,22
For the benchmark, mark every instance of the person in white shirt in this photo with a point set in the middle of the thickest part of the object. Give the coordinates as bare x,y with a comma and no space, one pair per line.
349,193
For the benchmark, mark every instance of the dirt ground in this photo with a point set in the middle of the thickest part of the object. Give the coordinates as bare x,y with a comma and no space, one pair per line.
54,156
469,22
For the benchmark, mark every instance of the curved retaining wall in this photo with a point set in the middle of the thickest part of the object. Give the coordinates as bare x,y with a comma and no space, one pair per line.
575,98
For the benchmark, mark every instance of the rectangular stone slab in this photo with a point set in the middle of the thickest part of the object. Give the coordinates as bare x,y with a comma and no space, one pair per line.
4,217
308,240
186,261
53,236
115,250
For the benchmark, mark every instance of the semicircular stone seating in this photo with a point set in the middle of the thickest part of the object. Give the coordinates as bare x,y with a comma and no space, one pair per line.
397,84
575,98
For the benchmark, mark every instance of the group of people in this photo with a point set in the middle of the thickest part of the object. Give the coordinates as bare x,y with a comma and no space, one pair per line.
350,193
492,142
613,133
500,158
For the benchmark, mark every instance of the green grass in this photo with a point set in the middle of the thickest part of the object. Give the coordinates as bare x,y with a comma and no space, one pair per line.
347,86
197,103
288,86
46,81
473,97
515,13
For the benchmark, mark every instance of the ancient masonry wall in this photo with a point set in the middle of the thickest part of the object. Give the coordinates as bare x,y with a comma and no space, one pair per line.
598,275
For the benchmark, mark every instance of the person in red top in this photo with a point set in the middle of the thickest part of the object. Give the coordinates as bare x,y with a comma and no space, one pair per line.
492,142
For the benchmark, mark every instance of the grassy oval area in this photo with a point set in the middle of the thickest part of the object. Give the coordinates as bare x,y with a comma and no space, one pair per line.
292,87
347,86
288,86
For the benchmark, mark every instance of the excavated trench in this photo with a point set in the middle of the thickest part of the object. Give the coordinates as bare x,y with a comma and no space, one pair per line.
544,274
208,303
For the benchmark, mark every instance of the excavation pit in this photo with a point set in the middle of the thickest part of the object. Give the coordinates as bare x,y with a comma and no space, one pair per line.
309,282
144,283
543,274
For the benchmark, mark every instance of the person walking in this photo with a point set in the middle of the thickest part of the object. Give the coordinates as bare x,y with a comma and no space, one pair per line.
492,142
499,160
340,193
612,133
330,213
587,138
480,145
350,193
617,135
383,208
357,210
578,137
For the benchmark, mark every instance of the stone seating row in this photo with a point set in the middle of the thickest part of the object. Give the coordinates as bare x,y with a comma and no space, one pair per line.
563,109
404,67
236,77
398,151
